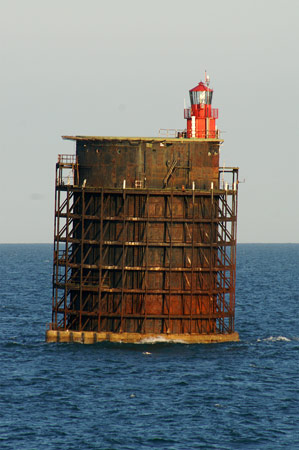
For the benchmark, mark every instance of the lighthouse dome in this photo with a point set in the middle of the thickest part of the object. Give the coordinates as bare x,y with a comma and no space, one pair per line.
201,94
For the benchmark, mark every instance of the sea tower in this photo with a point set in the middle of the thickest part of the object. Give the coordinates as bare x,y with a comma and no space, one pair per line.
145,236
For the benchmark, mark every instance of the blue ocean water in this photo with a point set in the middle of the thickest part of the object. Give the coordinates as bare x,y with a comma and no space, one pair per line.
161,396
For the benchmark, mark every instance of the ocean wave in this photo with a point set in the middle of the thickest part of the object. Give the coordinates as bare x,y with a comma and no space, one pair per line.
275,339
161,340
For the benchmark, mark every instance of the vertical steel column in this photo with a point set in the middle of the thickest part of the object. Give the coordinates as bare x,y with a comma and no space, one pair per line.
211,273
66,255
192,266
170,260
145,295
55,262
123,261
81,255
101,260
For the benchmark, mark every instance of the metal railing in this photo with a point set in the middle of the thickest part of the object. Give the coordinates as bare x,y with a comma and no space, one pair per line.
67,159
179,133
214,113
67,180
207,134
228,178
171,132
187,113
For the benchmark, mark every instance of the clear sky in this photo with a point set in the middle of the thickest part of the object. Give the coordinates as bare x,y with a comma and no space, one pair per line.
123,68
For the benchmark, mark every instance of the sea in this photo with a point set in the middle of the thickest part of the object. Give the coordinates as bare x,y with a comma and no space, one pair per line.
158,395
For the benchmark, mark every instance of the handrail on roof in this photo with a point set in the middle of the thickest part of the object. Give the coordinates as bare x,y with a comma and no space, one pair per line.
67,159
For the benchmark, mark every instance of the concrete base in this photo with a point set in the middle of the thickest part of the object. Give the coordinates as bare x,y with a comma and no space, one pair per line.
90,337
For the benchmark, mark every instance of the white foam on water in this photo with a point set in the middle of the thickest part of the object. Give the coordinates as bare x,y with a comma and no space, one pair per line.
159,340
275,339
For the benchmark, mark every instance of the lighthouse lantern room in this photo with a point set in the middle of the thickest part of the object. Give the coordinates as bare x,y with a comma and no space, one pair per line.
201,117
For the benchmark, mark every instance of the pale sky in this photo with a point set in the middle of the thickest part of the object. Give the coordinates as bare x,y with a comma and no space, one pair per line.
123,68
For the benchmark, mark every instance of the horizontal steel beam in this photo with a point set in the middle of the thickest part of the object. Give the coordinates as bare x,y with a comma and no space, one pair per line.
189,316
171,291
151,192
148,268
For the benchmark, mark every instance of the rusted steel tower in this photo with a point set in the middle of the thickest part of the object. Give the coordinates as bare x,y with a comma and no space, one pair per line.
145,236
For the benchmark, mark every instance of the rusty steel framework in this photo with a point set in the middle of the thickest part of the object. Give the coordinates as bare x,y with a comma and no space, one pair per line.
140,260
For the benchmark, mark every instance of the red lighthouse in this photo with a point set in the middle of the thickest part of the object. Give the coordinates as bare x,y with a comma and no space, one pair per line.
201,117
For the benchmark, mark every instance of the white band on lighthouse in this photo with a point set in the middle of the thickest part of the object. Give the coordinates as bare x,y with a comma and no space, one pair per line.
193,126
